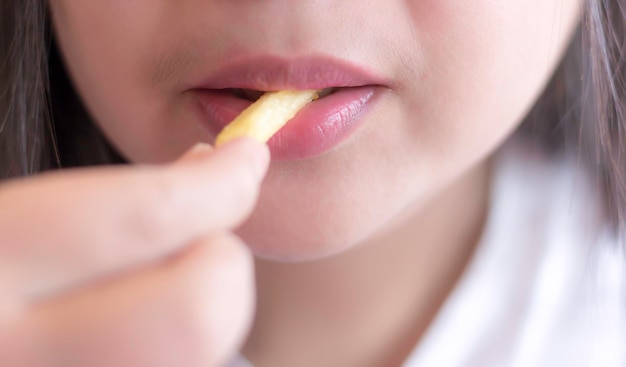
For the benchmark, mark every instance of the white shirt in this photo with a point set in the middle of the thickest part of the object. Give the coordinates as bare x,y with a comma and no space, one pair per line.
546,285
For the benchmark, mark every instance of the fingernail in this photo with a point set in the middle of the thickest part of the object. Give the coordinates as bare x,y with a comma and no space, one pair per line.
197,152
200,148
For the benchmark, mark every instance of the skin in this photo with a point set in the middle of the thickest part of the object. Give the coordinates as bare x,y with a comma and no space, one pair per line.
128,264
462,76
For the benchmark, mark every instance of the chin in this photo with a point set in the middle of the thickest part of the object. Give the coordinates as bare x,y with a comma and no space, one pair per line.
276,242
287,237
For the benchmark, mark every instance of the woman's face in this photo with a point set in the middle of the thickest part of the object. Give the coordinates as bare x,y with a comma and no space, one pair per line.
436,85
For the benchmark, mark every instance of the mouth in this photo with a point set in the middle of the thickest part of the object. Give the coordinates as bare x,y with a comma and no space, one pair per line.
253,95
347,92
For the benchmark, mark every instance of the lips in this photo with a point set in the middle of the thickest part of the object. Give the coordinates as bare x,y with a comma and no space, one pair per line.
347,92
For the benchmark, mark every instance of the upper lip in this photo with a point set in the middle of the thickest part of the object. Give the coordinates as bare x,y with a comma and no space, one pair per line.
272,73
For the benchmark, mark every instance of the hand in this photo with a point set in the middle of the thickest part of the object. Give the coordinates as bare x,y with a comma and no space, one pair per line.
133,266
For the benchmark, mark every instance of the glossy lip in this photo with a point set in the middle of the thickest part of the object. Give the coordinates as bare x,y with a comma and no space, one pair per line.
317,128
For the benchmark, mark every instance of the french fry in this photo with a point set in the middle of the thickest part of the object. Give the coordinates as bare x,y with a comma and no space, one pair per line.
262,119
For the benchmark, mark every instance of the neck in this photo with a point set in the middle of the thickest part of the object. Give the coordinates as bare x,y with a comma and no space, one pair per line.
370,305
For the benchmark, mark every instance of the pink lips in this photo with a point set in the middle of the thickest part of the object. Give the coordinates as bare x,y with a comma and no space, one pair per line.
320,126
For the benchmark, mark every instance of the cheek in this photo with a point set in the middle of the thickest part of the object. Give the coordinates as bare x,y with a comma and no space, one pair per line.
483,65
109,48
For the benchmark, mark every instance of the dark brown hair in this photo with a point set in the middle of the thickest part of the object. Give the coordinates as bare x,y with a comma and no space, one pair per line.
43,124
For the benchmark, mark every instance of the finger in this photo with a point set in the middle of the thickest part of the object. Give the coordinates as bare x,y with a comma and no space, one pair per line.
63,230
197,152
192,311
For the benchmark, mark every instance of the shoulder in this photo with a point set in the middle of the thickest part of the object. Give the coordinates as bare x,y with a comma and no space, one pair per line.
546,285
578,293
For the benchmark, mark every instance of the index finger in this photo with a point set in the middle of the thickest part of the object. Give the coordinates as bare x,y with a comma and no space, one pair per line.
64,229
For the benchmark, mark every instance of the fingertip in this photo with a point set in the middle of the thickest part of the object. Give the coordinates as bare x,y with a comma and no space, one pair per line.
257,154
249,149
197,152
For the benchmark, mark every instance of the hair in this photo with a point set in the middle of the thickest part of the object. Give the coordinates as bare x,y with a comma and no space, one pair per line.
44,125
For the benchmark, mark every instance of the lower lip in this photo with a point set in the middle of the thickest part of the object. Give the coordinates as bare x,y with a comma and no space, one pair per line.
317,128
